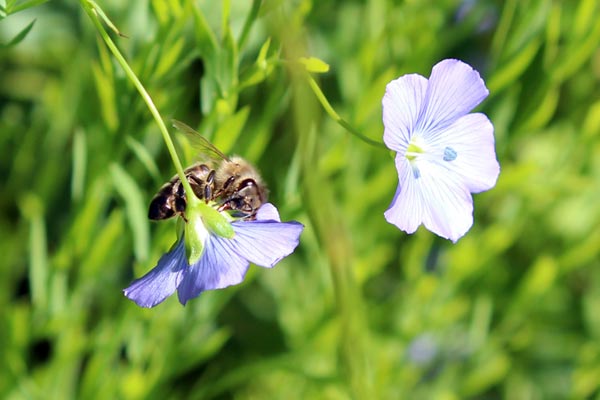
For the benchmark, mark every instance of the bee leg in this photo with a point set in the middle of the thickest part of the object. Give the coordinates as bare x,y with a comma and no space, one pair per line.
179,205
209,185
196,185
228,182
238,203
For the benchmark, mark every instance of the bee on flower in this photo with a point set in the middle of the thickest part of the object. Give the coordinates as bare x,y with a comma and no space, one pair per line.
228,225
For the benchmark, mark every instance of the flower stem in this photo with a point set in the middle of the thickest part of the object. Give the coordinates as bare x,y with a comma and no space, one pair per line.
335,116
333,235
332,232
94,11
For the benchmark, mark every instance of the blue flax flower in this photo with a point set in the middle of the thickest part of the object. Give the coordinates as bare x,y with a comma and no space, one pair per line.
224,262
444,153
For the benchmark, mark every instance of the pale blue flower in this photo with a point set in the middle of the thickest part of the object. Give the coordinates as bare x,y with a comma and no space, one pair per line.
444,153
224,262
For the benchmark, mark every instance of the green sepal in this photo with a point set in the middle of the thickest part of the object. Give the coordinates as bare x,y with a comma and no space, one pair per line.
216,222
203,220
195,236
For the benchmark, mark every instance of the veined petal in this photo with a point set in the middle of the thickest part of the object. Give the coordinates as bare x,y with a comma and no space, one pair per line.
471,141
161,282
265,242
218,268
454,89
448,203
225,261
430,195
268,212
406,210
402,104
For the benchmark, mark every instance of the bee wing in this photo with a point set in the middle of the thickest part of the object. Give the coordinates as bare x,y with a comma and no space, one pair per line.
199,141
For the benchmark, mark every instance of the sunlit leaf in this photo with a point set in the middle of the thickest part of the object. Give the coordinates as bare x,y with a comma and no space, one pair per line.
19,36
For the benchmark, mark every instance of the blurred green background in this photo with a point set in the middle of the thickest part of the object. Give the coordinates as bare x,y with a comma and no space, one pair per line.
360,310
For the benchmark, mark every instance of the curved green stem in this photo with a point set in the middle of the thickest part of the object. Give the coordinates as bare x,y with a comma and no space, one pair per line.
332,232
93,11
329,109
330,227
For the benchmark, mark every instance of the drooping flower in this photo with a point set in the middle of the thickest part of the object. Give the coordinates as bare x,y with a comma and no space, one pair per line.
444,152
223,261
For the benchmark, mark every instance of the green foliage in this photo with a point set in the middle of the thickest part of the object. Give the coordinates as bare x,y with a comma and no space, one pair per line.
360,310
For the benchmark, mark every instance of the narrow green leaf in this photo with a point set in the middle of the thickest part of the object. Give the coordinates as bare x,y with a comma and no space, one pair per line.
264,50
513,68
135,210
170,57
577,54
250,19
38,251
552,35
586,14
230,130
492,370
228,68
205,37
144,156
19,37
79,165
255,75
591,125
370,101
261,69
12,6
105,18
544,110
225,17
162,11
106,93
105,241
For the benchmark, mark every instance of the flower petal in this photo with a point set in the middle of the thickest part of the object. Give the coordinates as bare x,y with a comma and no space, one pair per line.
161,282
402,104
471,139
406,210
218,268
268,212
225,262
454,89
265,243
429,194
448,202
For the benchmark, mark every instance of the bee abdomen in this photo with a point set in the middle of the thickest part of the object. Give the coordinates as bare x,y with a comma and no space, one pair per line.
170,199
160,209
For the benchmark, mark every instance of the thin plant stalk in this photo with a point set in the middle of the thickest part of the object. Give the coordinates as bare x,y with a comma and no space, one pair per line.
95,13
335,116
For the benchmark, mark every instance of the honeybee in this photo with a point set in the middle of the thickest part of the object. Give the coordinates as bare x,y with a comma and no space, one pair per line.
232,182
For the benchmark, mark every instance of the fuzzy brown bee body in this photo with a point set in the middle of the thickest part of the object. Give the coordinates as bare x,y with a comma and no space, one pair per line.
234,184
170,199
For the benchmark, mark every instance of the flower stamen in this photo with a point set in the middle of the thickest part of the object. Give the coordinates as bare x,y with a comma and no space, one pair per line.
413,151
450,154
